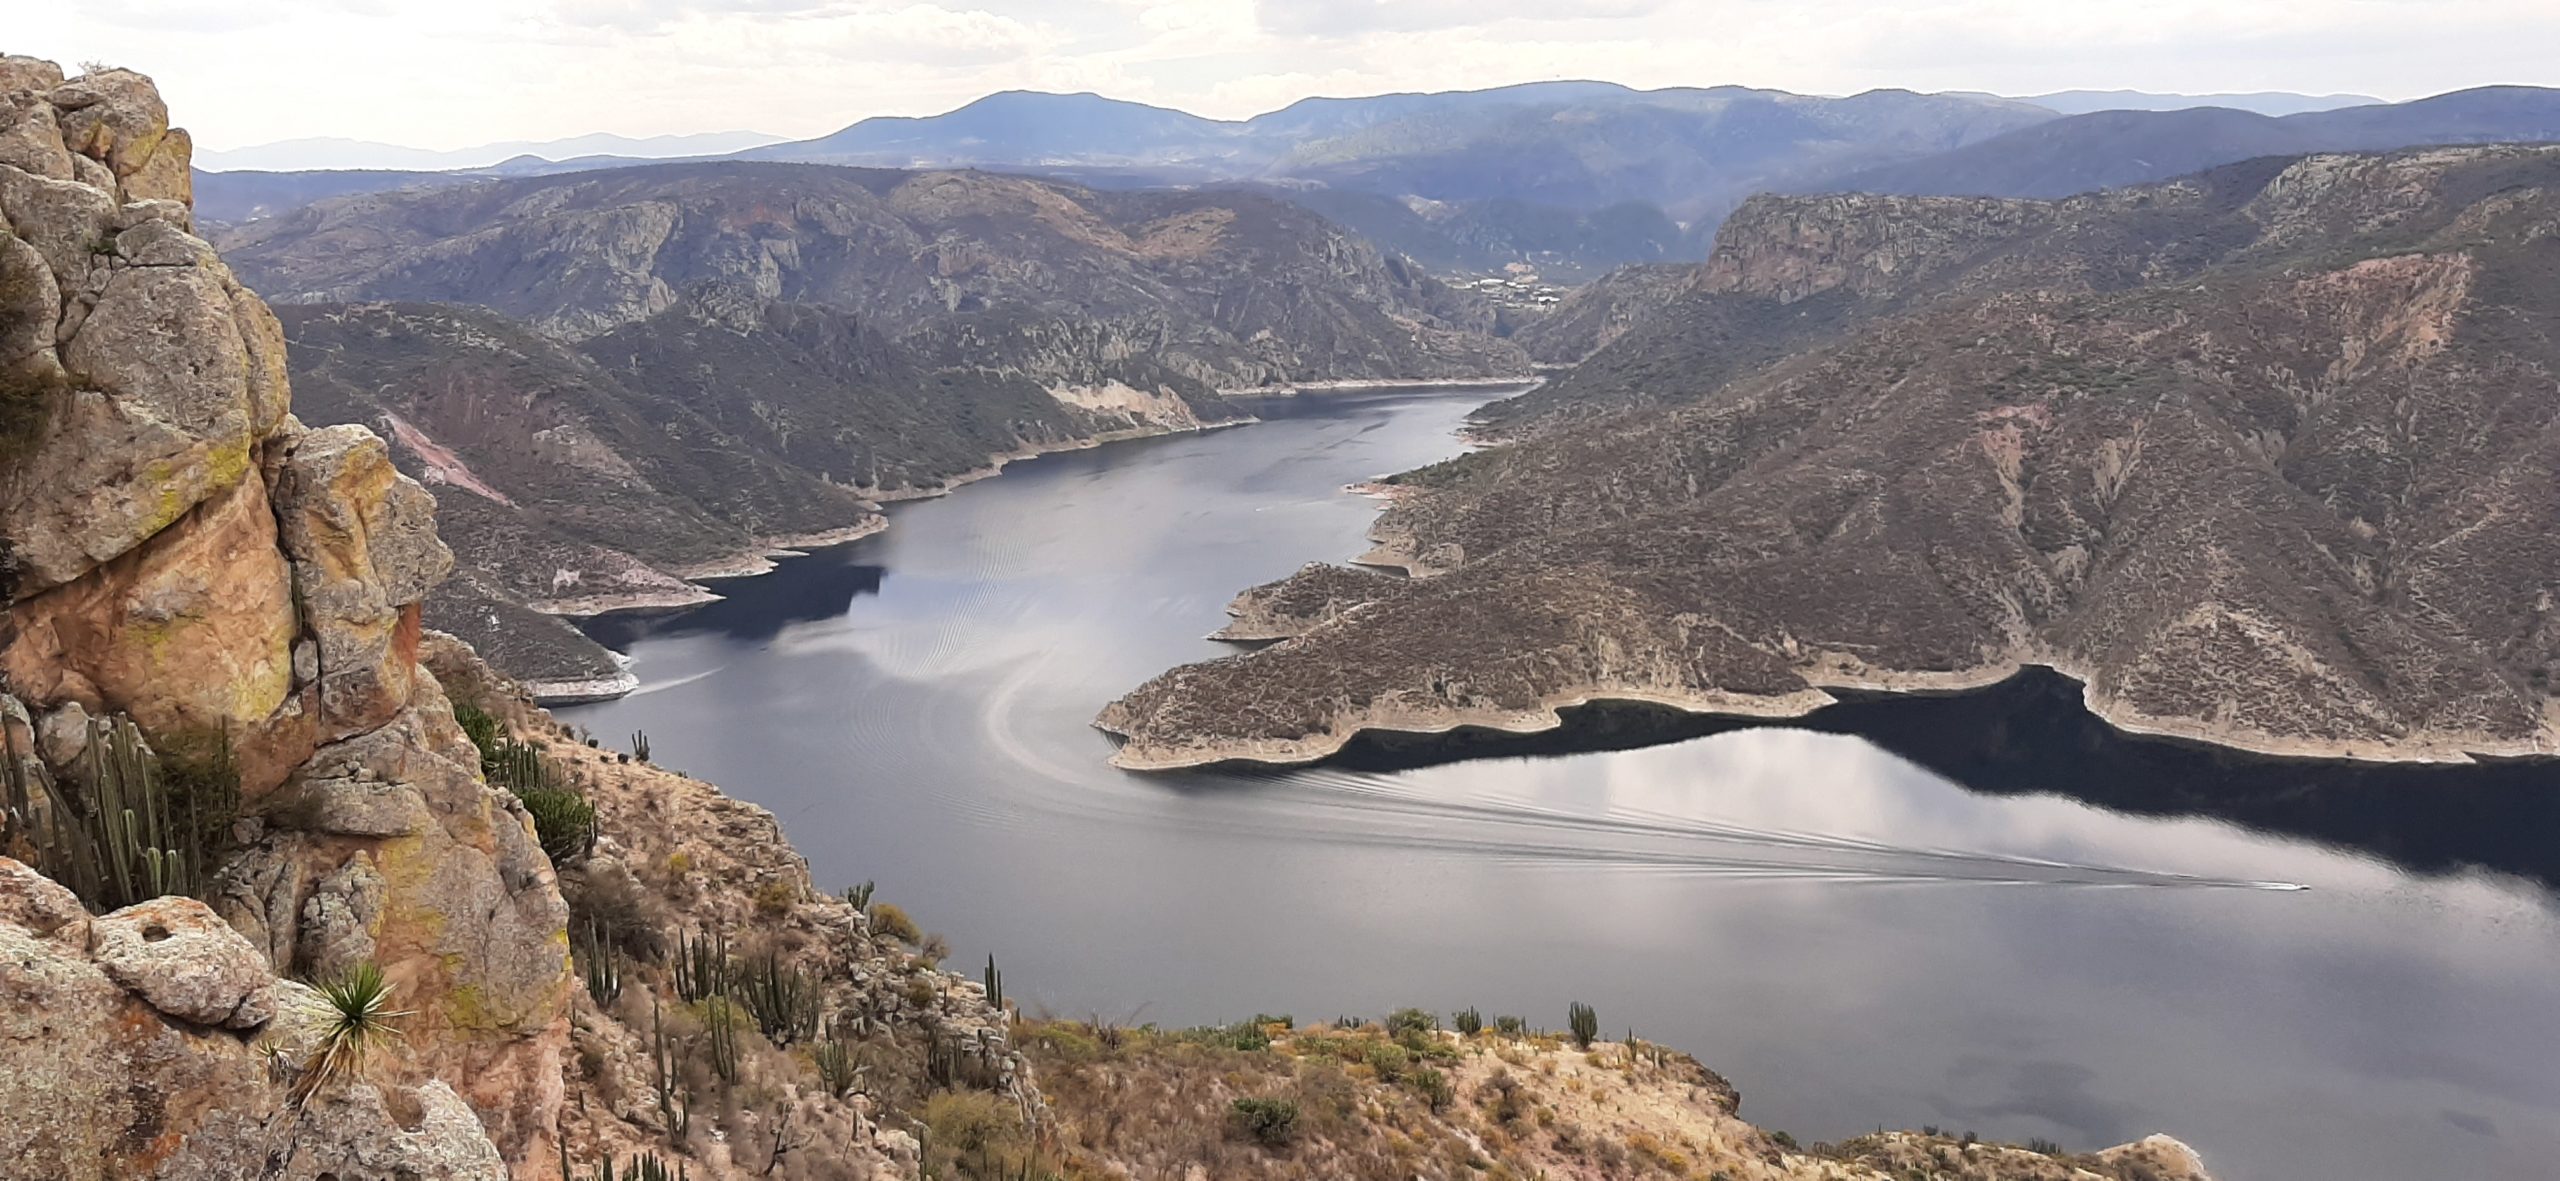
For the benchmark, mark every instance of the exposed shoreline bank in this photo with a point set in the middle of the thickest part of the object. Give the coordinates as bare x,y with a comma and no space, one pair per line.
1547,717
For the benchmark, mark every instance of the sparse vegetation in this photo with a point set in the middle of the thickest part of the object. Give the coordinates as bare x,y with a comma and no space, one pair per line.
890,920
1271,1123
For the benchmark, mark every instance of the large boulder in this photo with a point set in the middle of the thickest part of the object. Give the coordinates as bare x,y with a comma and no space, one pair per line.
182,958
363,542
112,116
31,139
130,1047
388,846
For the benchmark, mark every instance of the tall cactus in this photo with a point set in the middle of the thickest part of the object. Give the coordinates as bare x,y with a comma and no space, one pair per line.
111,827
1584,1022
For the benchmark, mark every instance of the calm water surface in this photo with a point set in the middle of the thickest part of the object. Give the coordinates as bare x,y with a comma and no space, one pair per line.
1984,912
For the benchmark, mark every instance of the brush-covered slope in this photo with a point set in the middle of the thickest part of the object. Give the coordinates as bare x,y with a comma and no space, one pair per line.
2275,473
2123,147
1052,281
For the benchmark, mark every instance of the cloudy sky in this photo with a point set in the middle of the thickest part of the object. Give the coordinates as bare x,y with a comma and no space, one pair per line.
451,73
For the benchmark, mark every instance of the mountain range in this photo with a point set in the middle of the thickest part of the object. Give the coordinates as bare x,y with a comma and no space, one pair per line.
625,379
2263,102
334,152
1568,179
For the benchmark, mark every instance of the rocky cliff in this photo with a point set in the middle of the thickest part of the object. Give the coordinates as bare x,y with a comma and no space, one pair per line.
183,553
218,727
1065,285
2265,458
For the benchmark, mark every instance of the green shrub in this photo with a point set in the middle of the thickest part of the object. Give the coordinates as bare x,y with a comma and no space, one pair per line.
890,919
1271,1123
1390,1060
563,821
1411,1026
1434,1088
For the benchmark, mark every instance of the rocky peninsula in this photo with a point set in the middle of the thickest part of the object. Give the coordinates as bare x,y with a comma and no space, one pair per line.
2262,457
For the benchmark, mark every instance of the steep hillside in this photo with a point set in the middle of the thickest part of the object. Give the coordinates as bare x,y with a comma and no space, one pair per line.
1788,273
2122,147
1061,284
1602,311
1485,237
2265,464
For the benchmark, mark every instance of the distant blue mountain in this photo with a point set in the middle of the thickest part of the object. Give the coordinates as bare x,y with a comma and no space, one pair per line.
2264,102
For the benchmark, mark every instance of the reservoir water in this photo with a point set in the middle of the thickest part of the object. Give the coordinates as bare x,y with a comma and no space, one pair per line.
1984,912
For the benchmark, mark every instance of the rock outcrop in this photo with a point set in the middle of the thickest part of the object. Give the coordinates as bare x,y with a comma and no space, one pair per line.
2264,458
138,1044
181,552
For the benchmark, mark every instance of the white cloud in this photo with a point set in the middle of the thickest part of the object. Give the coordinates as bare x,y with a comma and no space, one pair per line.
460,72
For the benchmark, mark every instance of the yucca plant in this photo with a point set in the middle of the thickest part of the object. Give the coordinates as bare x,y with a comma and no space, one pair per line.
355,1020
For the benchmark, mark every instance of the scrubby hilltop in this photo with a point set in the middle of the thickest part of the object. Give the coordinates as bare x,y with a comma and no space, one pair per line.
2266,458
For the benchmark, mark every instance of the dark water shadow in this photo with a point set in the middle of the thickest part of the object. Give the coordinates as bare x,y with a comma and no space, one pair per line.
2030,735
821,585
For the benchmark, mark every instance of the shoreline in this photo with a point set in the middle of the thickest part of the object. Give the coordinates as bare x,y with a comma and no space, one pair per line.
760,560
1294,388
1821,692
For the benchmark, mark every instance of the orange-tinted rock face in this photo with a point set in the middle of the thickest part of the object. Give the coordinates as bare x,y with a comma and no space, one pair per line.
181,552
192,634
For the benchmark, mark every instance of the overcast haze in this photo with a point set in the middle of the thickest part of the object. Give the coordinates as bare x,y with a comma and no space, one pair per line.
460,72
